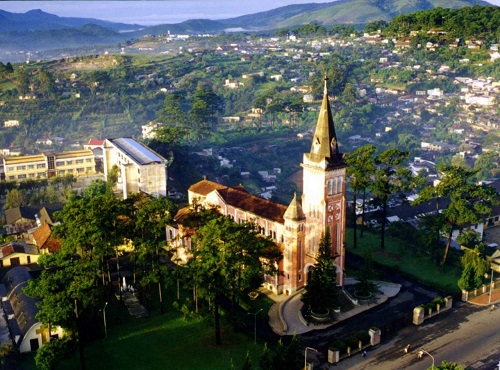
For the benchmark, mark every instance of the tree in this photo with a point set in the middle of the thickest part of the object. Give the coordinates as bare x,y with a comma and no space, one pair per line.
365,285
360,167
321,292
23,81
391,177
67,288
375,26
205,107
15,198
46,84
281,356
230,259
445,365
173,113
151,217
64,279
487,165
50,354
469,203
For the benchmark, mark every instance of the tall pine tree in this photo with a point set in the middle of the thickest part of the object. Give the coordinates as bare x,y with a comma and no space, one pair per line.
321,292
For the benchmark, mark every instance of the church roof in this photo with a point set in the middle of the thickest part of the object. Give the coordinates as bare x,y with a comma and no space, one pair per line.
294,211
258,206
325,144
239,198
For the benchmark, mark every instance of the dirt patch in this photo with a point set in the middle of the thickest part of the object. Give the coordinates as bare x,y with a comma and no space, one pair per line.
87,64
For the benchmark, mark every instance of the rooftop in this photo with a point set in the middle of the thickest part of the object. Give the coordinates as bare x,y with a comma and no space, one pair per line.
138,152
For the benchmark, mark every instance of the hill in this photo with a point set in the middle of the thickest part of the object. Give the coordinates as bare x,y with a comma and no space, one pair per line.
357,12
38,20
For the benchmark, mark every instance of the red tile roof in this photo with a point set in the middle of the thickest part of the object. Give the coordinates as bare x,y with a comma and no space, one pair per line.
239,198
253,204
43,239
96,142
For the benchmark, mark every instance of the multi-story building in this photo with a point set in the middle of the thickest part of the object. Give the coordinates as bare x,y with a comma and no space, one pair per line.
140,169
298,227
76,163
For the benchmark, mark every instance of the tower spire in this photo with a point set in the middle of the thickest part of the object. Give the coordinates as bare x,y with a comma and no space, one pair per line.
325,143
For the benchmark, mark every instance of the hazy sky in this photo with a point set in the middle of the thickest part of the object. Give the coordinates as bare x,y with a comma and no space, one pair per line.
155,12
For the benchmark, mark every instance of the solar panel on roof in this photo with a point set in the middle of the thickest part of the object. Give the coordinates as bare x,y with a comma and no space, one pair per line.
138,152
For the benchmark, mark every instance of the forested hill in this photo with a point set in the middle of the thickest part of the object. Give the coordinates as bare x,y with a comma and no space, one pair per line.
357,12
461,23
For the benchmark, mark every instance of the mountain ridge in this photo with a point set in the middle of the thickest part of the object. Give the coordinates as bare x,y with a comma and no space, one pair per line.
36,29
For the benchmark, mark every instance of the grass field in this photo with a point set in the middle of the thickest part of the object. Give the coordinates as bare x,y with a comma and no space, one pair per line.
396,256
165,342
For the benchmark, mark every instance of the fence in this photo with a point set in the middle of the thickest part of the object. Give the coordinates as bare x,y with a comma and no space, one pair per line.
486,288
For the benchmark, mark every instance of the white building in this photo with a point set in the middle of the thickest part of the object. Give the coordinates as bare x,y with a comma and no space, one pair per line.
140,168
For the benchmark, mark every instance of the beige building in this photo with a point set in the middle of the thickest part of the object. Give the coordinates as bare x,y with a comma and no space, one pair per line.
140,169
16,254
297,228
41,166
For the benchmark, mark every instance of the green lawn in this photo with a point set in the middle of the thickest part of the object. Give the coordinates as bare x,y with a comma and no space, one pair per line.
398,256
166,342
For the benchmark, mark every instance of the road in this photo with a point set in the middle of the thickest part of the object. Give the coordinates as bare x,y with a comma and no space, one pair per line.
390,316
467,335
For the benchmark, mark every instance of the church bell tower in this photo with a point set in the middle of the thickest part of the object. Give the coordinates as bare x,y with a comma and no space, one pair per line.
323,196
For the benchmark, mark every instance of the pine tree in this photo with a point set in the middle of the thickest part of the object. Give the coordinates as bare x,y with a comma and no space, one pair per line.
321,290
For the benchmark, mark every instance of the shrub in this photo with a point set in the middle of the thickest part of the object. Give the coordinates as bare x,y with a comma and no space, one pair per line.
363,336
339,345
352,342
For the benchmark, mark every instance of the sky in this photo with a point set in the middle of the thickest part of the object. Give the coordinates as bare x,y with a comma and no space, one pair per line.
155,12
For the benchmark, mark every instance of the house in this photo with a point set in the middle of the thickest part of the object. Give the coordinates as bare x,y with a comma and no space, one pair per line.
11,123
140,169
297,227
149,130
94,144
27,333
44,241
16,254
20,220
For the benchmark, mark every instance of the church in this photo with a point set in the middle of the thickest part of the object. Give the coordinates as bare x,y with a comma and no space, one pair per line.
296,228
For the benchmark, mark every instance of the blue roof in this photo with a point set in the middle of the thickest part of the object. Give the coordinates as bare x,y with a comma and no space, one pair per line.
140,153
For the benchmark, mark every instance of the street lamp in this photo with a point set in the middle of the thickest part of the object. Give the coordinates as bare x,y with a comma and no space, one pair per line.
305,355
104,316
421,353
254,325
491,285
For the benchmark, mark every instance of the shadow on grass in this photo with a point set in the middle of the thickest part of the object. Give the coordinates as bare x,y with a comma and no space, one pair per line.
397,256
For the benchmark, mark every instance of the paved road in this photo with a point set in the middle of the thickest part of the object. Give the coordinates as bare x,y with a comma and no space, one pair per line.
468,335
394,311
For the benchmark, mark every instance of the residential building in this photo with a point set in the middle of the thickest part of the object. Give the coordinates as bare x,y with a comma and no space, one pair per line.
27,333
16,254
140,169
298,227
